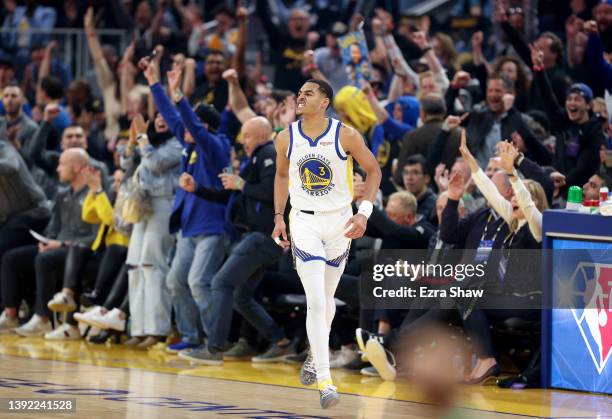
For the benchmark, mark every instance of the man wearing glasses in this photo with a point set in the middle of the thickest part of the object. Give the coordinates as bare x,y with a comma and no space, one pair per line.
416,181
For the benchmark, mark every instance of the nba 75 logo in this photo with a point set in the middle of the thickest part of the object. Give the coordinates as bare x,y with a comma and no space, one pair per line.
591,285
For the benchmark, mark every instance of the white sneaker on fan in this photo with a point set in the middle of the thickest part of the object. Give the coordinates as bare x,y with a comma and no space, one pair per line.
111,320
34,327
91,317
62,303
64,332
7,324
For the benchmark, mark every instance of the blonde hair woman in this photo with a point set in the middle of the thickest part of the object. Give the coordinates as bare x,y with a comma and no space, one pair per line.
513,281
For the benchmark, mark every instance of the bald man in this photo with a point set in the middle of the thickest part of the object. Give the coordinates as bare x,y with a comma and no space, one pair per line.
255,132
252,207
45,261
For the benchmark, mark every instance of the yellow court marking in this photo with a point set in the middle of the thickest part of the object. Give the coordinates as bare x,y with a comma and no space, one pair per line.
534,403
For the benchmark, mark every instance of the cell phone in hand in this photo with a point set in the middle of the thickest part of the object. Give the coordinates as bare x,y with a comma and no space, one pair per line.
40,237
229,170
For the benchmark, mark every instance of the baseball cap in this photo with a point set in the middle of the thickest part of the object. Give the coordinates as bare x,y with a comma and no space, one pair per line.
208,115
583,90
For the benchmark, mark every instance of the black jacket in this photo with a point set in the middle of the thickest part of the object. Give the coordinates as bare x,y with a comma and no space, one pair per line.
253,208
37,153
286,52
481,122
524,266
396,236
468,231
559,79
421,140
426,206
577,147
533,171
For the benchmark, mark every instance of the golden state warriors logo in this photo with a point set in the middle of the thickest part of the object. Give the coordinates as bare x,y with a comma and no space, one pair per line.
316,175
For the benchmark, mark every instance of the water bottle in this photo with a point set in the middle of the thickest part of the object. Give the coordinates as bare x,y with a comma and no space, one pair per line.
574,198
603,194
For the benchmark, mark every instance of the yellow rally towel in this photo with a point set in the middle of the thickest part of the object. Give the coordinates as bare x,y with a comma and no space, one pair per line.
354,109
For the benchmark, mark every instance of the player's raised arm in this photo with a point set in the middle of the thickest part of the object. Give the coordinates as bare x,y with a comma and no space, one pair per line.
281,188
353,144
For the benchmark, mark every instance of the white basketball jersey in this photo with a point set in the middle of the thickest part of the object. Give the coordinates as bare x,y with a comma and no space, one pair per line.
320,172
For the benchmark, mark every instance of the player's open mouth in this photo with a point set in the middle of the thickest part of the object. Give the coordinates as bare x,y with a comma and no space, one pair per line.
301,104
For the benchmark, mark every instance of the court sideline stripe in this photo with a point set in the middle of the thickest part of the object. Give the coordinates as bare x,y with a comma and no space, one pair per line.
299,388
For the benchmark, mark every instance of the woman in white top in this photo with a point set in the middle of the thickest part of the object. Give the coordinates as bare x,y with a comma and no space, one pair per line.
529,198
516,293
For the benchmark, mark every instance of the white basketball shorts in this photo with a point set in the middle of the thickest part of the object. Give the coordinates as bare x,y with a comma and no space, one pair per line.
320,236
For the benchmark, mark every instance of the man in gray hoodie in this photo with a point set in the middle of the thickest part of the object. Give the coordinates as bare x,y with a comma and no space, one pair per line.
22,201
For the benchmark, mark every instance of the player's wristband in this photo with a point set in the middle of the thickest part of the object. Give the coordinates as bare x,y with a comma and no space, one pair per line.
365,208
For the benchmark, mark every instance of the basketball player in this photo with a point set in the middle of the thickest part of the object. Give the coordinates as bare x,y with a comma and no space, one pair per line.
314,167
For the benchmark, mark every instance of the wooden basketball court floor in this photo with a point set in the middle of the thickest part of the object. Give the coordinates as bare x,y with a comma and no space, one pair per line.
108,381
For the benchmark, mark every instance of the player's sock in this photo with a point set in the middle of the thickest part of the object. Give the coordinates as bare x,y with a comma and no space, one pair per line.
332,278
312,275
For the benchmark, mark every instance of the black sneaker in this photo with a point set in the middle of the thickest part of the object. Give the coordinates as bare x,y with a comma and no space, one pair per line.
101,337
202,355
362,336
275,353
241,350
88,299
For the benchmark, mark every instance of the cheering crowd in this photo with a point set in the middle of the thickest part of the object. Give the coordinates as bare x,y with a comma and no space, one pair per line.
148,180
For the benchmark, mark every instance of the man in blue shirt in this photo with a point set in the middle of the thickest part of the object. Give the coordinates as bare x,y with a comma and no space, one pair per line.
53,92
202,230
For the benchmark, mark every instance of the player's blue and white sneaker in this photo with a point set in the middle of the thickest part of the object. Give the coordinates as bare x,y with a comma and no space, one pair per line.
329,396
308,373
